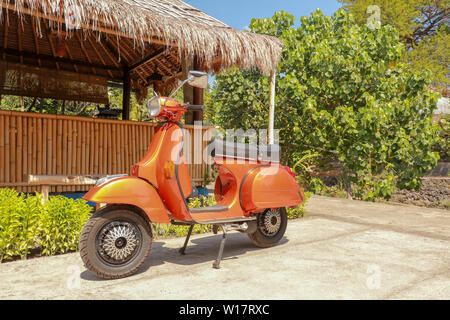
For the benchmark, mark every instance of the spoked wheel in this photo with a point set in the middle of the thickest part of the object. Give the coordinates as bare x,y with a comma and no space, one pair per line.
115,243
271,226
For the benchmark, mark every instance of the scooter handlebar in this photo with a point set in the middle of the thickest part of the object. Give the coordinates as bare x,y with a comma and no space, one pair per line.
193,107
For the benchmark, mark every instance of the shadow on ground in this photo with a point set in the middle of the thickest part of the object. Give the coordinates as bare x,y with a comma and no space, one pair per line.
198,251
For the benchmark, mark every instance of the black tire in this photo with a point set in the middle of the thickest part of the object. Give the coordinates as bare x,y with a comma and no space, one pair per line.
269,232
130,250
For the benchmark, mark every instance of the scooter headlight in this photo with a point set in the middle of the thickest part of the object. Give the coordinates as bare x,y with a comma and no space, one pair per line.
154,106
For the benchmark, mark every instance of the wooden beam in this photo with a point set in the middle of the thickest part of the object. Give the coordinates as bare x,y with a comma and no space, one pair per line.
53,51
126,96
5,38
86,54
131,52
147,59
116,78
164,67
36,42
125,56
19,38
33,55
70,56
99,55
131,58
110,55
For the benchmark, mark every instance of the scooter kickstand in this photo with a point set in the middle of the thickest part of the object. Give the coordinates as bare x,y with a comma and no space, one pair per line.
216,264
182,250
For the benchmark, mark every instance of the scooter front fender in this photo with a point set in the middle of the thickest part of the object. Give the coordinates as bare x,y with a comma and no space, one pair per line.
131,191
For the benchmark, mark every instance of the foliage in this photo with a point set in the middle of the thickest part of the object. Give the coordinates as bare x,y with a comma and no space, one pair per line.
422,25
433,53
19,223
443,146
343,93
138,111
26,224
299,211
61,223
303,165
47,106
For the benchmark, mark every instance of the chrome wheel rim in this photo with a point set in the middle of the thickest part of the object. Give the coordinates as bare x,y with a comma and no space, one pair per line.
118,242
269,222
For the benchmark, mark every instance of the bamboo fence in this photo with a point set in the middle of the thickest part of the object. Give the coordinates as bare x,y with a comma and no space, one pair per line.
40,144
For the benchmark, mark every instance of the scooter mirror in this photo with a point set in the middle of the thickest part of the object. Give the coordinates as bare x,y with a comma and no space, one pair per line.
198,79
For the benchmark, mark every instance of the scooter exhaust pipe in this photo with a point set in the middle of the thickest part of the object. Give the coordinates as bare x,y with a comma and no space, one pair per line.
245,227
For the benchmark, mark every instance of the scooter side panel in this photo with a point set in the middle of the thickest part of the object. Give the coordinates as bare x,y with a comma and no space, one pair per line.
132,191
269,186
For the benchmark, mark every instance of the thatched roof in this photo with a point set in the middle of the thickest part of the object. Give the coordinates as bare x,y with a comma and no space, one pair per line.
148,37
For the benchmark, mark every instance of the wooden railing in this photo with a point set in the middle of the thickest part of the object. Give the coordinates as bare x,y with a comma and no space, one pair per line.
40,144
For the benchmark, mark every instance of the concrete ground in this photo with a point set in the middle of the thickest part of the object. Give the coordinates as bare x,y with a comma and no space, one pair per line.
342,250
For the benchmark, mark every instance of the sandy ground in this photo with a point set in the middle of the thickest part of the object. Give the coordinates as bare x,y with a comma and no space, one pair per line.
342,250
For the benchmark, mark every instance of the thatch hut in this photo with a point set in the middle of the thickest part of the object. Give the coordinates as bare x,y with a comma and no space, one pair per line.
71,49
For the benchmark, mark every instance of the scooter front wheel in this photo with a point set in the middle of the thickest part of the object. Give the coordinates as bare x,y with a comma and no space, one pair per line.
271,226
115,243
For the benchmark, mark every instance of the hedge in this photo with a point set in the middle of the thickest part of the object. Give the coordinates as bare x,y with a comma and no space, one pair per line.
27,224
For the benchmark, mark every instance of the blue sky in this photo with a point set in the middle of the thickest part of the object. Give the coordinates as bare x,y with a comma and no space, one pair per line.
238,13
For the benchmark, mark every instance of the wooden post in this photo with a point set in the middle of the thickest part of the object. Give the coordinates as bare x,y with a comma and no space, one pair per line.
198,95
45,190
188,91
273,80
126,96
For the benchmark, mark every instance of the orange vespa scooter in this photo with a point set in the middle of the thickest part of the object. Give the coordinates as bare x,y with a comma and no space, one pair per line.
251,191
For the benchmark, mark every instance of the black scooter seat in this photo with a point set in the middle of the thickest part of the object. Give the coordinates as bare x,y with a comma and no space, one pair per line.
225,149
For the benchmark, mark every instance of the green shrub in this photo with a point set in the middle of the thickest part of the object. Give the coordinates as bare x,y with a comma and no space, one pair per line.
442,146
62,221
298,212
26,224
19,223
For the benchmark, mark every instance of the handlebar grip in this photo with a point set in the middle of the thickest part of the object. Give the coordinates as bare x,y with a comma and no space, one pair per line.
192,107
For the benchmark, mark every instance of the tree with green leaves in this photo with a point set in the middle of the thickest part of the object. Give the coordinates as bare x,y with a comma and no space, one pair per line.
423,26
343,95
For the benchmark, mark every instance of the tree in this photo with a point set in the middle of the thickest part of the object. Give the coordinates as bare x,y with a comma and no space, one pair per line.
344,94
422,25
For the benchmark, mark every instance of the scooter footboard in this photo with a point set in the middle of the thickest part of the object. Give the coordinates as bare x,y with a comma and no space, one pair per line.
269,186
131,191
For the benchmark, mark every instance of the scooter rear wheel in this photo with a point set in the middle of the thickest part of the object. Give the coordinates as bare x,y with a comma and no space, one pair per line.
271,226
115,242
